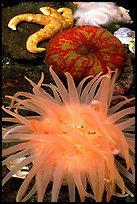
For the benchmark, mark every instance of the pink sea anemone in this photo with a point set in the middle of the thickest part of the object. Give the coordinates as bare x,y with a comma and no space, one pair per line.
74,139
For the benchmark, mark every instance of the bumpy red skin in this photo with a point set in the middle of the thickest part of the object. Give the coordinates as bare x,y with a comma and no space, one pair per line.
85,50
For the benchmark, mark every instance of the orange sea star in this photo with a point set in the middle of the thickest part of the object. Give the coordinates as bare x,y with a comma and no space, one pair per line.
53,21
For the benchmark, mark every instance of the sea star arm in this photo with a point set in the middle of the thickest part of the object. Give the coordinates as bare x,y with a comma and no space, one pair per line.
62,14
33,18
46,33
51,12
66,14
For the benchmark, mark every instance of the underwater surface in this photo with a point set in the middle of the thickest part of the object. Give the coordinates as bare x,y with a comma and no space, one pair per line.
17,62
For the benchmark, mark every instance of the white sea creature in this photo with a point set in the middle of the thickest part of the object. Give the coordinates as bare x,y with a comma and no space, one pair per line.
100,14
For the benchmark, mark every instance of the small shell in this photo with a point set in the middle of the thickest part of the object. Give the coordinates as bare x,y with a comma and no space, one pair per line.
131,46
21,173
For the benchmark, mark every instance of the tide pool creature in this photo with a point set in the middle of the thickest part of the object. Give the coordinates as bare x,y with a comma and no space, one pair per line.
54,21
100,14
73,138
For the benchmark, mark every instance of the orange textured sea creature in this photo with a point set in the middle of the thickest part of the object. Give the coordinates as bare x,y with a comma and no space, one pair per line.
73,138
54,21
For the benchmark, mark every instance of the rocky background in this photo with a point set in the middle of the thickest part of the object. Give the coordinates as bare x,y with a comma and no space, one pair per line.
17,62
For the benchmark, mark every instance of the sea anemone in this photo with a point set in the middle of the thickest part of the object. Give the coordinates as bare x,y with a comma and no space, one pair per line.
74,138
85,50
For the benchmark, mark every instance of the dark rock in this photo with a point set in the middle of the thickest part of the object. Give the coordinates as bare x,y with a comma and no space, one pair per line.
13,77
127,79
